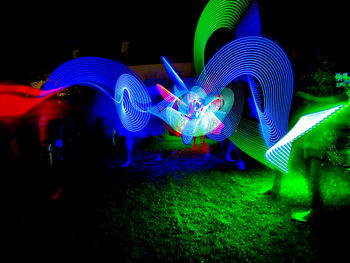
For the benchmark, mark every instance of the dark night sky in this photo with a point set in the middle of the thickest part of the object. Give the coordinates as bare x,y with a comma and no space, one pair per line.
37,36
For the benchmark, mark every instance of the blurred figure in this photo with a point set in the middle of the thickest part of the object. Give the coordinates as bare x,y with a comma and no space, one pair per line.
314,150
315,145
239,162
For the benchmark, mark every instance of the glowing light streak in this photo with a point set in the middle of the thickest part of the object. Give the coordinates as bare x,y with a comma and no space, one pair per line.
197,114
209,107
265,62
249,139
102,74
279,153
16,100
216,14
176,80
168,96
132,102
250,24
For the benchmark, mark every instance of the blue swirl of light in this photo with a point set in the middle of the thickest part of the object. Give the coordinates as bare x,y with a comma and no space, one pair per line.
268,64
103,74
133,103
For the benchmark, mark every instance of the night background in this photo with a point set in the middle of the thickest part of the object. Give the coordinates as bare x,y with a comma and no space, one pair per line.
37,35
186,207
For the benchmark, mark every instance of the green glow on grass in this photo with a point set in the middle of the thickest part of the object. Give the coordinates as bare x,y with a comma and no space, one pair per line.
295,187
207,217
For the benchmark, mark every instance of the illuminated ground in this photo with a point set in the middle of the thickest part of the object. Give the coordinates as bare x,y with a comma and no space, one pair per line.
188,208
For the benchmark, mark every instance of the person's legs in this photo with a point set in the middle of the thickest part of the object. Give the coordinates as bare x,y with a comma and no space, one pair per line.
159,157
194,143
239,162
274,192
129,146
229,150
313,165
276,188
203,140
205,147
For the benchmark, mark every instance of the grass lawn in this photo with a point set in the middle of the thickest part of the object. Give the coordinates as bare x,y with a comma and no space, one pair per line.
192,208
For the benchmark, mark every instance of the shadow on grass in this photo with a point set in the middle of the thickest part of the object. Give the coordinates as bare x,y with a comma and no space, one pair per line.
331,230
204,217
